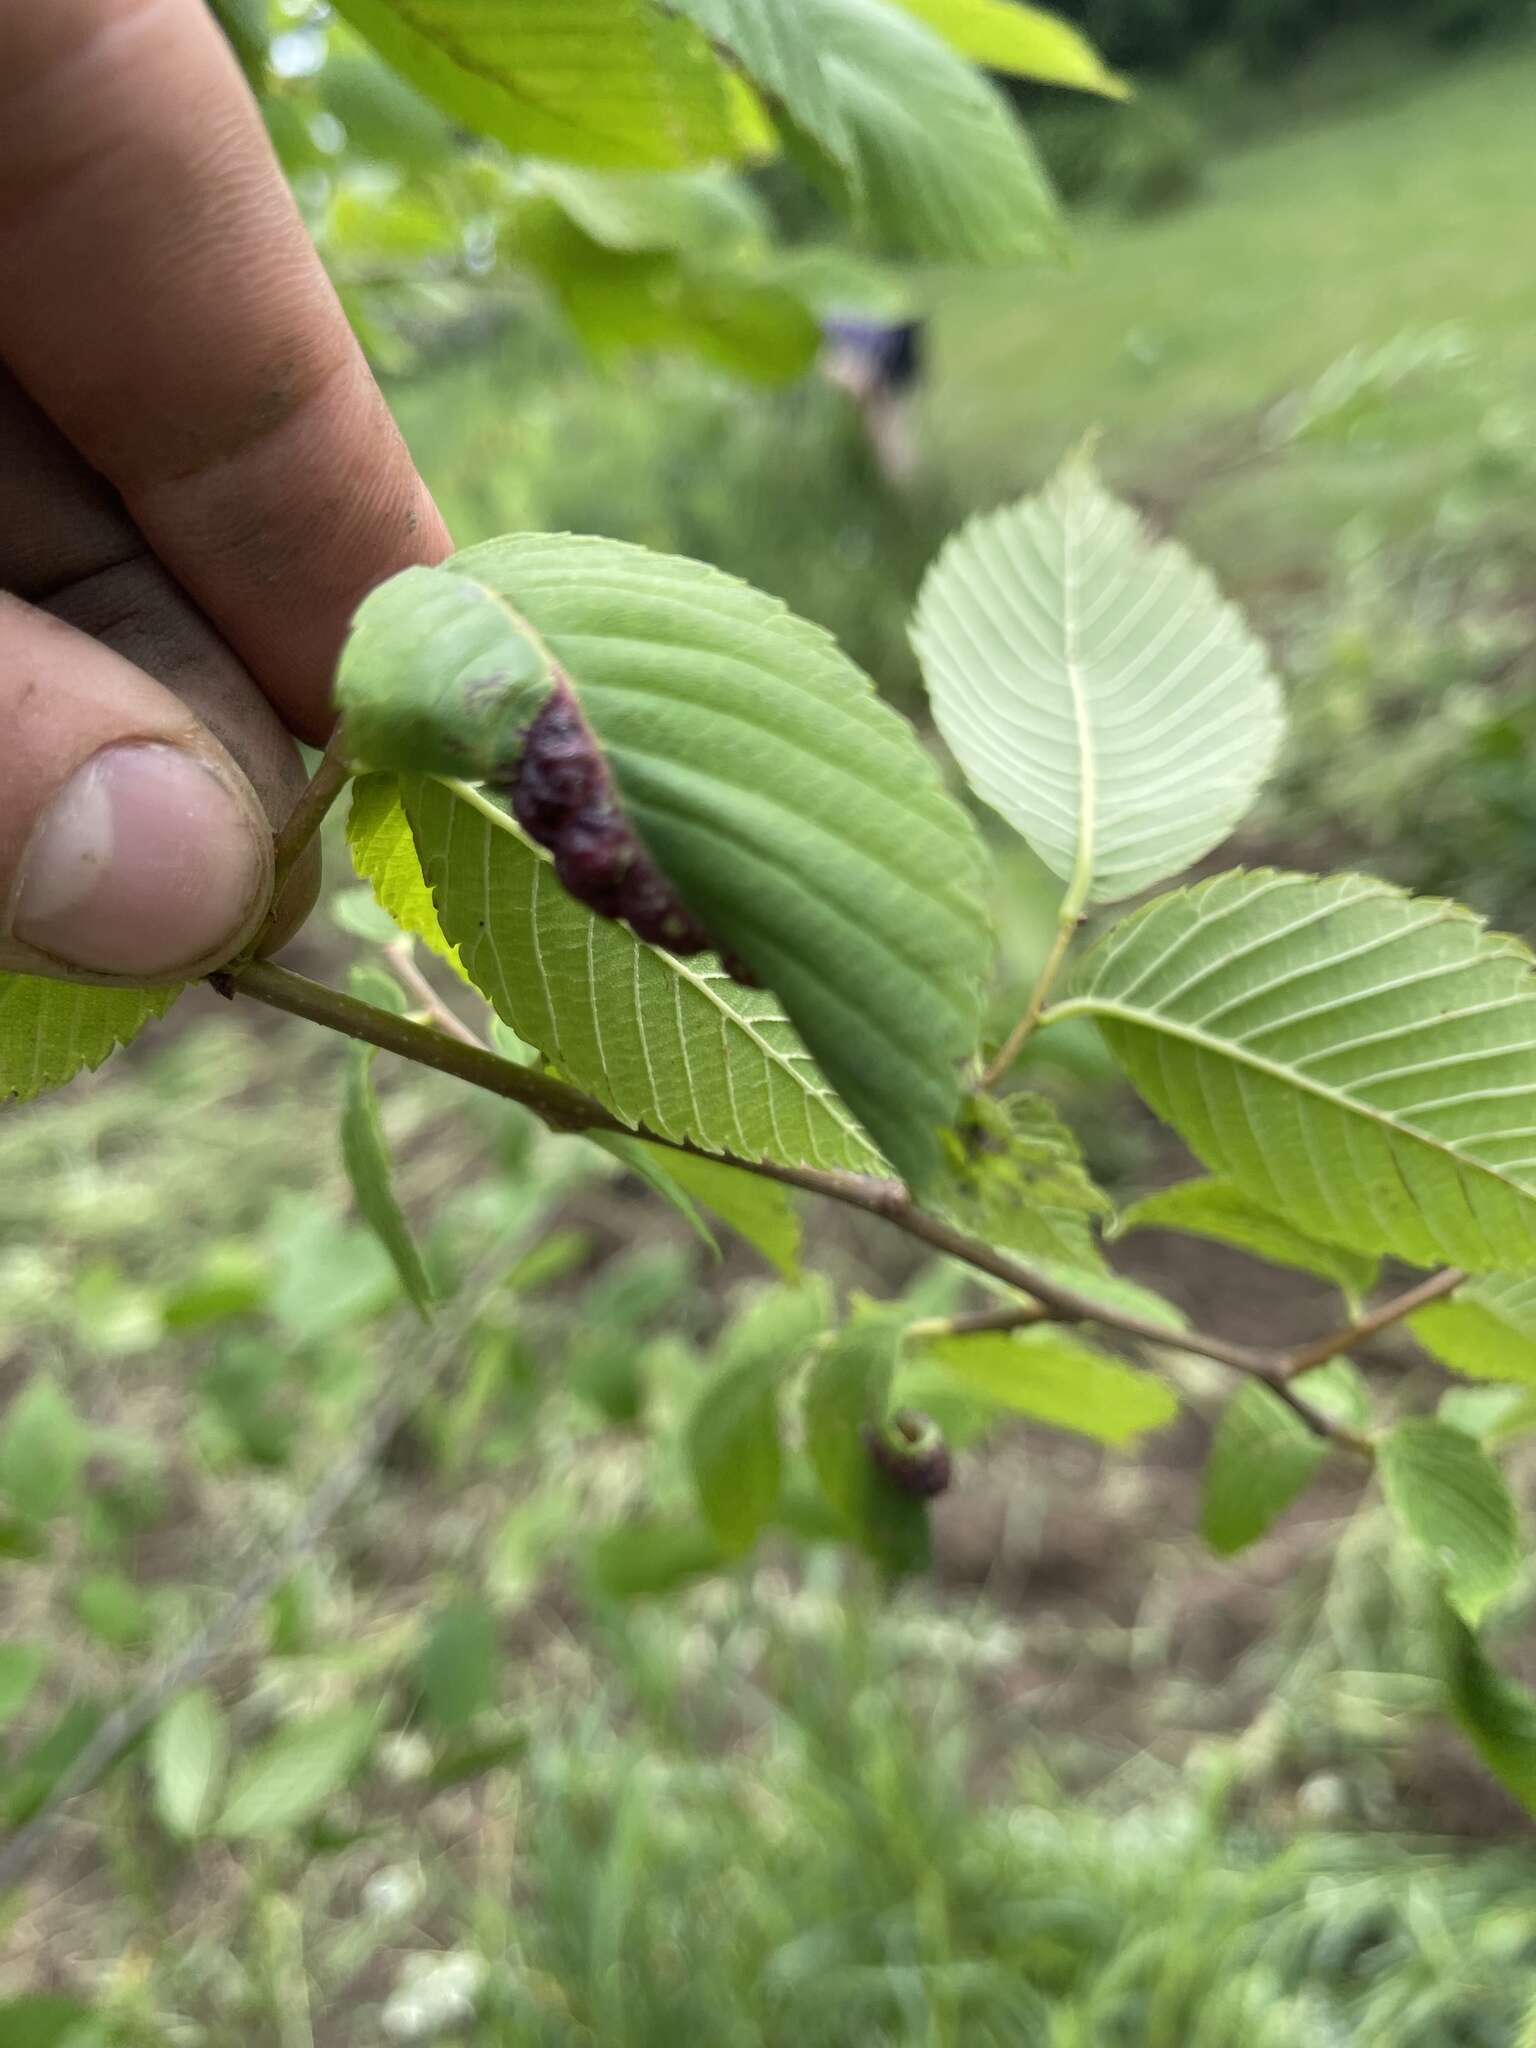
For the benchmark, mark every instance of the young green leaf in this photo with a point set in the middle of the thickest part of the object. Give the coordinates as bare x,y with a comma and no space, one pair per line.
644,1559
732,1435
457,1669
52,1030
847,1395
1095,687
289,1778
366,1158
942,166
735,1455
657,299
1497,1715
1057,1379
383,117
1263,1457
1450,1498
43,1449
1359,1062
1487,1329
836,868
775,43
1005,35
1016,1178
188,1752
384,854
1216,1209
759,1210
608,82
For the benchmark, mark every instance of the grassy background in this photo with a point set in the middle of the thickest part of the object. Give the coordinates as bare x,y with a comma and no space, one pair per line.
1081,1789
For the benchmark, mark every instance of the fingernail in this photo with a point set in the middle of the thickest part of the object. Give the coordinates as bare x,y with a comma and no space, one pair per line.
145,862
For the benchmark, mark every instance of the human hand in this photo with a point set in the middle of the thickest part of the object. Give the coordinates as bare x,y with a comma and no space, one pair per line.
199,480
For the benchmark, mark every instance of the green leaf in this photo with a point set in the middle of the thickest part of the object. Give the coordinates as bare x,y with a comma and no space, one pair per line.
458,1669
643,1559
384,854
1263,1458
289,1779
672,1045
21,1666
942,166
847,1394
1005,35
732,1433
599,82
382,116
1059,1380
1216,1209
1450,1498
774,42
42,1451
655,299
1487,1329
836,867
735,1455
188,1752
1094,686
711,213
1493,1415
52,1030
41,2022
366,1158
1358,1061
1497,1715
759,1210
1017,1179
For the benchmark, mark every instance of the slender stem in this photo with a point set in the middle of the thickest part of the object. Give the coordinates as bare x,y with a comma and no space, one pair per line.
563,1108
567,1110
401,956
981,1322
1067,927
1435,1288
309,813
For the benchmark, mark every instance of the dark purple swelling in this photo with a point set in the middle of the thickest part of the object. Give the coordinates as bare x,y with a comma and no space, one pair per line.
912,1454
564,799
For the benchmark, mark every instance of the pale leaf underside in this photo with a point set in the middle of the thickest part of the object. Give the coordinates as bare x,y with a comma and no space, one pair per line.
1095,687
1359,1061
672,1045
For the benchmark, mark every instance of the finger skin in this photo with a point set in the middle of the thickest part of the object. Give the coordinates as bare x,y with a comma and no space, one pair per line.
68,545
161,301
65,700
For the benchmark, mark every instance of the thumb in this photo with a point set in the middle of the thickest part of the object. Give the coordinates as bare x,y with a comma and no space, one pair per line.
132,848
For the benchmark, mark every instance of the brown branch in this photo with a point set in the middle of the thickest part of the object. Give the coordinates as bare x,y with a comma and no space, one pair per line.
1309,1356
567,1110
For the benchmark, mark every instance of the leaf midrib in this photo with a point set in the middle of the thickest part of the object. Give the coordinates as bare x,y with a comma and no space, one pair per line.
1153,1020
681,972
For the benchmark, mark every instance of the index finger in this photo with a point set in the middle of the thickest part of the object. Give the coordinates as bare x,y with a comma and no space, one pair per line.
159,297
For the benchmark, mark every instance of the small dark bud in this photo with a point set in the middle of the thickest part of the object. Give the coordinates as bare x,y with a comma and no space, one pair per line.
910,1450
